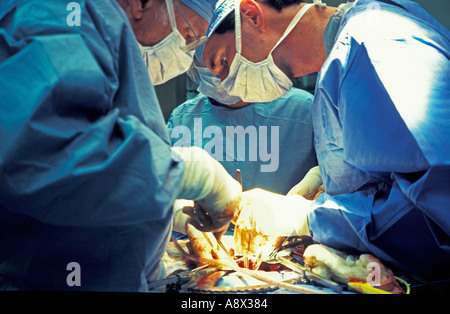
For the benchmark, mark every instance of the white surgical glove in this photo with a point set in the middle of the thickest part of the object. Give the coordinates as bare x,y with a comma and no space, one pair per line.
309,186
180,219
204,244
216,192
274,214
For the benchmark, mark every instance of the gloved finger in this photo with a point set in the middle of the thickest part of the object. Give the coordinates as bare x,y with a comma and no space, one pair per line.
309,185
302,190
196,212
297,189
206,228
196,218
200,219
218,234
196,224
309,195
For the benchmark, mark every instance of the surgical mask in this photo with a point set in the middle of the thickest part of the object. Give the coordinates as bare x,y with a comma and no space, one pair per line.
166,59
261,81
210,85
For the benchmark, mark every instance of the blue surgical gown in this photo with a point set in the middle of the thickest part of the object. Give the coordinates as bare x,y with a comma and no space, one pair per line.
85,162
381,118
257,139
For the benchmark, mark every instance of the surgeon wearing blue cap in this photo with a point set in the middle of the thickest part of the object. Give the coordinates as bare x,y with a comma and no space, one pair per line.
380,114
88,177
255,138
262,131
168,31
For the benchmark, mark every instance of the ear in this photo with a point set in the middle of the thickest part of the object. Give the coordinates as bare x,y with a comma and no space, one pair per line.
252,12
136,9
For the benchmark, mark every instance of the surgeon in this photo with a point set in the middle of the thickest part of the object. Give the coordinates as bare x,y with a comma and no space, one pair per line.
254,138
168,31
88,175
380,117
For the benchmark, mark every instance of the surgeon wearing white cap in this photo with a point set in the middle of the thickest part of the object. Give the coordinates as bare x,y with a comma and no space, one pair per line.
168,31
88,174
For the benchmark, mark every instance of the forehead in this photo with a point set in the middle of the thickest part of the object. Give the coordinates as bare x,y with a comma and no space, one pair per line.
157,23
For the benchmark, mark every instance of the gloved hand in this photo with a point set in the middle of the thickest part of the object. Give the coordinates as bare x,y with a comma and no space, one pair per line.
203,244
180,219
273,214
264,217
216,194
309,186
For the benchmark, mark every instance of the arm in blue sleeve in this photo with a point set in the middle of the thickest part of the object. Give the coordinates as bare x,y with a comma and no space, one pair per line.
394,115
69,154
389,224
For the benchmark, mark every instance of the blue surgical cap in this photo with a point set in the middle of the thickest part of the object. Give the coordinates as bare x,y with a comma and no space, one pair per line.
223,8
203,7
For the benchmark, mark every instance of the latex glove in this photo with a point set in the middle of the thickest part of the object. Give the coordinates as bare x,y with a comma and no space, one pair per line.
264,217
216,192
203,244
273,214
309,186
180,219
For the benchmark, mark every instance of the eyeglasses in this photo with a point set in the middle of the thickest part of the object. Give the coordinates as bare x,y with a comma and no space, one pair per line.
199,41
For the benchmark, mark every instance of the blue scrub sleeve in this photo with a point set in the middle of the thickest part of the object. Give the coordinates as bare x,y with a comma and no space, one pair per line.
394,116
82,137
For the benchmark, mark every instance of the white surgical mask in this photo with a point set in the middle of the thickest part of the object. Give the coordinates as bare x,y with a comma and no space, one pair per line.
166,59
261,81
210,85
